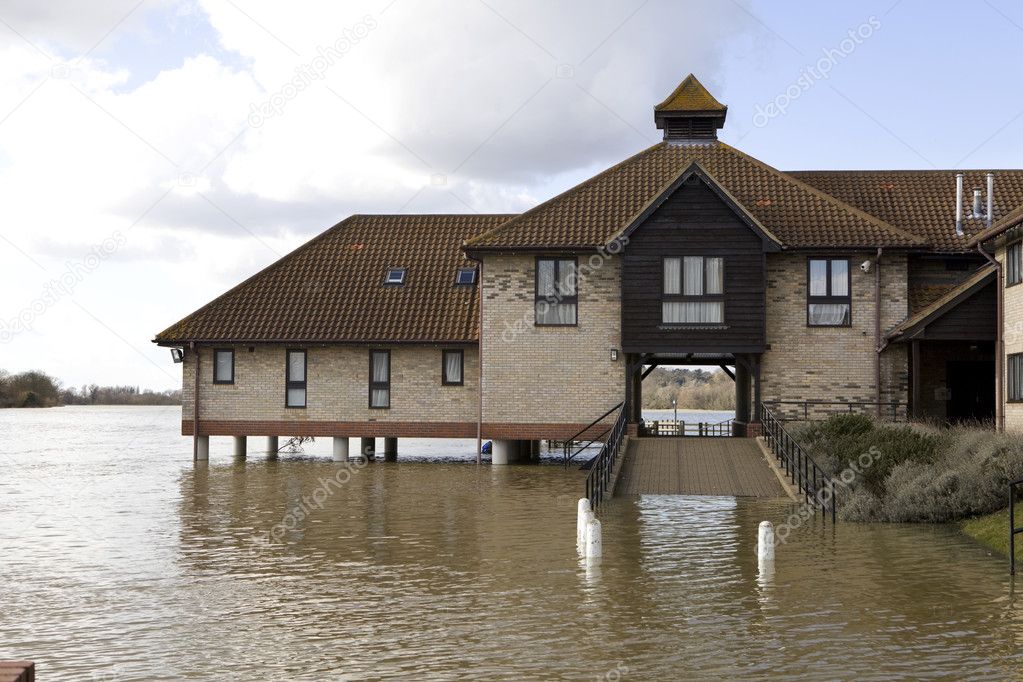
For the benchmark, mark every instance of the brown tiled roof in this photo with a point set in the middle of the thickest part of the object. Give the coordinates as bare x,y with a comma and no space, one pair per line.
591,213
920,201
950,300
690,95
1011,220
331,288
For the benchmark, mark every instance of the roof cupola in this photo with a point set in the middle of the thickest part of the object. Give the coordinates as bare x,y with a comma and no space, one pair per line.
690,113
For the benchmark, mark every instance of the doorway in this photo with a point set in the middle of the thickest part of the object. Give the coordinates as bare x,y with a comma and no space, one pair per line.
971,387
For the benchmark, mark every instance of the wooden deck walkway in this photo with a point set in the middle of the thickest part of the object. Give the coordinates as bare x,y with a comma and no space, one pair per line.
697,466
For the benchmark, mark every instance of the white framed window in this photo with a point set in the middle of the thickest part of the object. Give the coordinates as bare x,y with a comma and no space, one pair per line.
693,290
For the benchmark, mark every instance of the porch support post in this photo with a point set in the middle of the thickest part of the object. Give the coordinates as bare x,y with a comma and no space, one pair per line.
914,377
742,389
637,393
756,389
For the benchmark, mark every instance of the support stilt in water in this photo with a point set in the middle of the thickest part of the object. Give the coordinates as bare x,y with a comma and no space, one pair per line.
272,446
340,453
390,449
241,445
368,448
202,449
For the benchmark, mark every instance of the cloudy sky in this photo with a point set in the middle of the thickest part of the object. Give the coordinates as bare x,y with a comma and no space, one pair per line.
155,153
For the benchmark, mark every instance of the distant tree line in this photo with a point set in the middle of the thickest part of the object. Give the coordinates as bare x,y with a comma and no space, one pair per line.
37,389
694,389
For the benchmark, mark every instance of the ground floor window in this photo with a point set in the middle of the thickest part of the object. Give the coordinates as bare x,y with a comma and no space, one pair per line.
379,379
828,302
693,291
452,364
1015,377
223,366
295,379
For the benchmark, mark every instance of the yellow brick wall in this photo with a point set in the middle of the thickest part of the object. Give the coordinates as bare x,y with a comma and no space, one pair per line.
549,374
1012,303
832,363
337,386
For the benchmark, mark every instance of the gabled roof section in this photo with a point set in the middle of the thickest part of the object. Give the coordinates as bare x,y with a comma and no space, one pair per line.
920,201
694,168
690,96
1013,219
331,289
590,214
918,321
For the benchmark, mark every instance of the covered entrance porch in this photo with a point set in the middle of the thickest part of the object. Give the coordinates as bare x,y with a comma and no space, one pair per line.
742,368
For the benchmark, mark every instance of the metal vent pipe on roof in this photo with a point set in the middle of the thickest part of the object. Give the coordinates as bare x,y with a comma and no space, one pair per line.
977,205
959,204
990,215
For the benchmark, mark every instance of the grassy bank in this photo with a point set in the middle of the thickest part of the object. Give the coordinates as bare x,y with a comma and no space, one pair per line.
992,531
899,473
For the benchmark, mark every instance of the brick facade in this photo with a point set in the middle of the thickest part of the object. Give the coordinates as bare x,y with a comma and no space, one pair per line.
337,388
542,375
1012,330
832,363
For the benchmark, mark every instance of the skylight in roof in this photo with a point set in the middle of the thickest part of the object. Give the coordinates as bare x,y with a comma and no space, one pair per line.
465,276
395,276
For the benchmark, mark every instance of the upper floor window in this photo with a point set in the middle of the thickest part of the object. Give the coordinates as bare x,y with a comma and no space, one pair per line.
694,288
380,379
557,294
1014,375
223,366
465,276
295,378
1014,264
395,276
828,302
452,363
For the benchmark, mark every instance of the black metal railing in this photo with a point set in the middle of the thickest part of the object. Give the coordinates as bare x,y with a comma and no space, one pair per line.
569,446
670,428
811,410
817,487
1013,530
599,478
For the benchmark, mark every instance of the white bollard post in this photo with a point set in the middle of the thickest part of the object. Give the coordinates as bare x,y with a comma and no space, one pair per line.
594,544
582,517
765,542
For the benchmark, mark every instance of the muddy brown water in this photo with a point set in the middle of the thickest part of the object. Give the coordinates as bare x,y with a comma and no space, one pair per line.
119,560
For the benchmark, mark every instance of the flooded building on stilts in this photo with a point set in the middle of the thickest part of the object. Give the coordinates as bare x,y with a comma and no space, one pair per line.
816,291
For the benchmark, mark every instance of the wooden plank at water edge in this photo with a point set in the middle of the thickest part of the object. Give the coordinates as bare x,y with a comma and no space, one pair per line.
17,671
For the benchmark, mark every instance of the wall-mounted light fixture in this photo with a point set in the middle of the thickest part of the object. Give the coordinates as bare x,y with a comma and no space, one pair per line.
614,355
177,354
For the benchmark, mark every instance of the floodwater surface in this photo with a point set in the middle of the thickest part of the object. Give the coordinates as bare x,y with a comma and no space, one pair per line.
120,560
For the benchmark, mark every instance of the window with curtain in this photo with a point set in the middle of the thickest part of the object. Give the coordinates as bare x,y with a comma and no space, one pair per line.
693,291
1014,264
557,294
223,366
828,298
379,379
452,363
295,379
1014,376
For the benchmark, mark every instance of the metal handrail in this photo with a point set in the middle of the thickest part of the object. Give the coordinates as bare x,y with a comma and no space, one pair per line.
817,487
667,428
1013,530
567,445
599,478
849,405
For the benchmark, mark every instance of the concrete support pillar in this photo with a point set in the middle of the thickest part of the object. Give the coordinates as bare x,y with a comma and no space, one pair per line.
509,452
368,448
203,450
534,449
390,449
241,445
340,449
272,446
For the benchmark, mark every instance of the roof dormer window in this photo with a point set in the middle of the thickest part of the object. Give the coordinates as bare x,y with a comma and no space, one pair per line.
395,277
465,276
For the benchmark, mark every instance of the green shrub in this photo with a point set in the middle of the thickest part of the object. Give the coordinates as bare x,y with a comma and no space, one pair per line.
913,474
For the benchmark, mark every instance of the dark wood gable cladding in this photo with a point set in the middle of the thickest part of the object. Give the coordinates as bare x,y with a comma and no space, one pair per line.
694,219
973,319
